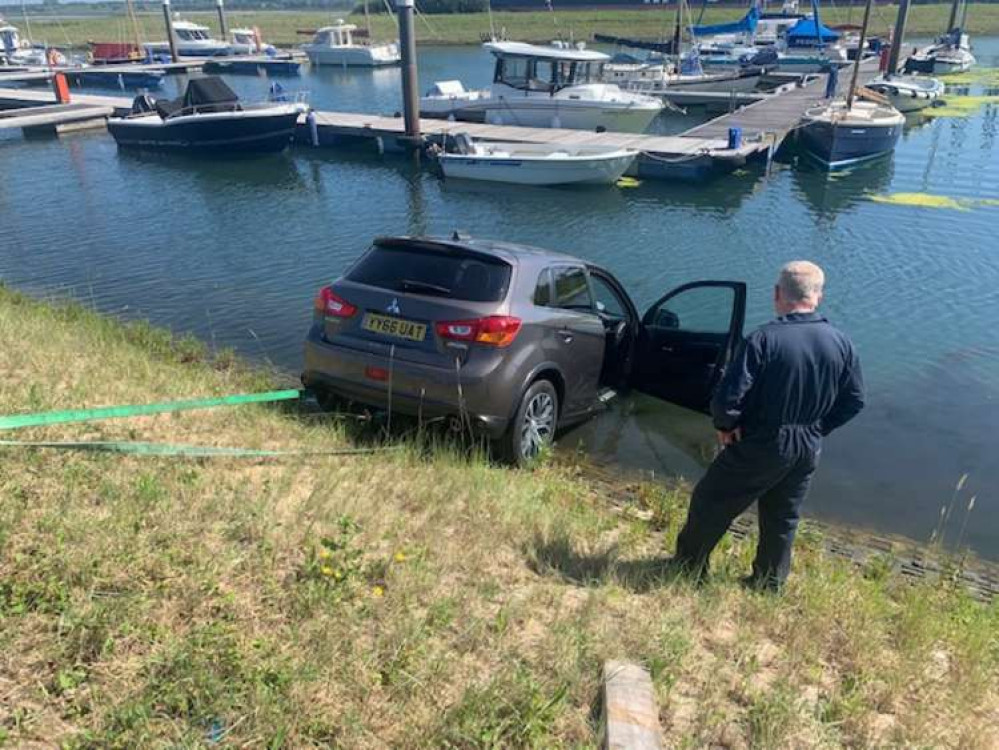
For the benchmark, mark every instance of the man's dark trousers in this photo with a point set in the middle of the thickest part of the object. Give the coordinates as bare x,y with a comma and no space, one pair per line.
776,471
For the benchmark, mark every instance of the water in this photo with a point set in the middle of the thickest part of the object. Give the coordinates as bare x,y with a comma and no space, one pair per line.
235,250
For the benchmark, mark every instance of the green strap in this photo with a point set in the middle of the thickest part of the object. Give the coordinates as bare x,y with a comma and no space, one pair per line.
194,451
18,421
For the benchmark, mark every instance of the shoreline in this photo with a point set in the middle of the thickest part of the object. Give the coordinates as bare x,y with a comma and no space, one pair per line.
281,27
417,593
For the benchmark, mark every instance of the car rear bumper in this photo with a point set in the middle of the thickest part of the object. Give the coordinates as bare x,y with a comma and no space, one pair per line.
418,390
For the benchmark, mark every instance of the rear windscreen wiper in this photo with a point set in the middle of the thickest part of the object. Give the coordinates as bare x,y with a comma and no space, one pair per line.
408,285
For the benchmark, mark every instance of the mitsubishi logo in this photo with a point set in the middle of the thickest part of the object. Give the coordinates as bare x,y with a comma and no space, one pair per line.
394,307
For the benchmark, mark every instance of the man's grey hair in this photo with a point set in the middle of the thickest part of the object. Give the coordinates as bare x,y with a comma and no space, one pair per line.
801,281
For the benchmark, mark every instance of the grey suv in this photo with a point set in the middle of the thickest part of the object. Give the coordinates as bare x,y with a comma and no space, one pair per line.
514,340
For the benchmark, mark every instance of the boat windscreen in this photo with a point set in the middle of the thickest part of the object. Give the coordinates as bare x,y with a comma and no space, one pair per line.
208,91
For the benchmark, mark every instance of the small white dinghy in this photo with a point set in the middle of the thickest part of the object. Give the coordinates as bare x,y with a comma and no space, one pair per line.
908,93
534,164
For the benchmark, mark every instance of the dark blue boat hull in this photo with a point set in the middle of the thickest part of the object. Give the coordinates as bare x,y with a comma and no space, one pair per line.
838,146
215,136
112,79
253,67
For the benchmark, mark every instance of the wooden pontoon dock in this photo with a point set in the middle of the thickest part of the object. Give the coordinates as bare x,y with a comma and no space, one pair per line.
698,153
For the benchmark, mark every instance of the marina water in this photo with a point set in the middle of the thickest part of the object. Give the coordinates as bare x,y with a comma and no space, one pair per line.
234,251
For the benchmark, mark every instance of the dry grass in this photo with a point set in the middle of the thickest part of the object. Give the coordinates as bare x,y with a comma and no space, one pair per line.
411,599
281,27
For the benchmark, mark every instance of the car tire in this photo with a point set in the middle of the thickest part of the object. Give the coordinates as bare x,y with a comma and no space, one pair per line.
533,426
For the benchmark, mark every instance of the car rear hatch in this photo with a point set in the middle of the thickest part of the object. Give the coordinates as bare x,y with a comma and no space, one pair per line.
417,301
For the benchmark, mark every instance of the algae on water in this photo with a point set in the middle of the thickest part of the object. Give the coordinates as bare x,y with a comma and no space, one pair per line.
961,106
926,200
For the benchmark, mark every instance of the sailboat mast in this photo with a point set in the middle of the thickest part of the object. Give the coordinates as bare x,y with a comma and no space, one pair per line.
676,34
897,37
134,22
953,16
818,24
860,55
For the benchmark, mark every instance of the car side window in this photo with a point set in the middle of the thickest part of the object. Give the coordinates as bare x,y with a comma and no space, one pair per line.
572,292
706,309
543,290
608,299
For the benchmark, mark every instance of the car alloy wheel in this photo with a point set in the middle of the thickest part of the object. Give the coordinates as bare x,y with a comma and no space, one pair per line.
538,425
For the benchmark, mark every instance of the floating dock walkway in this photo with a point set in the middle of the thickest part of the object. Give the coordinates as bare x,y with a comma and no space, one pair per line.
696,154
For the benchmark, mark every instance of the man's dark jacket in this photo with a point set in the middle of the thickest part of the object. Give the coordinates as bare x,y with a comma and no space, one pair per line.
794,380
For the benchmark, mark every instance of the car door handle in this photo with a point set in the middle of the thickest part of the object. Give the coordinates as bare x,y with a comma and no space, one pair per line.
566,336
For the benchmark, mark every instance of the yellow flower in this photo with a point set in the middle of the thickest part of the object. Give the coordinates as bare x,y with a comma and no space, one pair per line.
326,570
400,557
325,554
378,592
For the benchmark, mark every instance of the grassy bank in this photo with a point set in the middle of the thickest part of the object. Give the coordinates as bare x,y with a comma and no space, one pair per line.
408,599
280,27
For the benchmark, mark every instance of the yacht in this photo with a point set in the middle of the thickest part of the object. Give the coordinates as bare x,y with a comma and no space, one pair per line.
544,87
951,53
656,75
850,130
335,45
17,51
193,40
249,42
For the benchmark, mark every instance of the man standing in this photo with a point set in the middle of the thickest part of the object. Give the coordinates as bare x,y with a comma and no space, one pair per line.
791,383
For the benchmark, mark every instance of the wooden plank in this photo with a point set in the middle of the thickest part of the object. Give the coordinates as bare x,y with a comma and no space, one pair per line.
630,713
37,117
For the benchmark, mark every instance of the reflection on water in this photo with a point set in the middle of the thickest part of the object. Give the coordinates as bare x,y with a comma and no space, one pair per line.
234,250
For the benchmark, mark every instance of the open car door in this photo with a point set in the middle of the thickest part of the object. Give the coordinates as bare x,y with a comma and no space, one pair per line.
686,340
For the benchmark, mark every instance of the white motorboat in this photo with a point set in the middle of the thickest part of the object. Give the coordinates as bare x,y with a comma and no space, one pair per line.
534,164
335,45
192,40
249,42
951,53
908,93
17,51
545,87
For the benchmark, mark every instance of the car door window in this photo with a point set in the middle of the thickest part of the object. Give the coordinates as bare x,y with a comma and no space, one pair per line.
704,309
607,299
543,290
572,292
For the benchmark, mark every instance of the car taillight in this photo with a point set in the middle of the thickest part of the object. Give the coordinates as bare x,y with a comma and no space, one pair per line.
495,330
330,304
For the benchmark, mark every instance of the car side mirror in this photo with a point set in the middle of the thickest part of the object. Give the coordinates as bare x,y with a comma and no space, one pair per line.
667,319
601,307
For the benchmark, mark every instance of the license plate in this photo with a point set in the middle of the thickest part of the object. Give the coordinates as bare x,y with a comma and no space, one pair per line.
397,327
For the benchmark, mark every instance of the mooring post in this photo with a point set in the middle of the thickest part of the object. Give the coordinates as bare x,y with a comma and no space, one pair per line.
223,26
407,44
171,39
897,37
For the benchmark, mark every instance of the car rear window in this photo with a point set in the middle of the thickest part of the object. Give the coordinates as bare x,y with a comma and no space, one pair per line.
452,274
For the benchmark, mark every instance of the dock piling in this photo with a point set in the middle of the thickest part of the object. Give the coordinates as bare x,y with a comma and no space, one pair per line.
410,99
223,26
171,39
897,36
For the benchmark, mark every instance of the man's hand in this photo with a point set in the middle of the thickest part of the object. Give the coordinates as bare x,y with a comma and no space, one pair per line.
729,438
